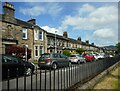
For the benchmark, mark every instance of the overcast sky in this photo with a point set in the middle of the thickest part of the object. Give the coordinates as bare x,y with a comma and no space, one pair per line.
96,22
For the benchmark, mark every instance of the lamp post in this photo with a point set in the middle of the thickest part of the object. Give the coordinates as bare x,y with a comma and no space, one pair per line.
26,46
55,43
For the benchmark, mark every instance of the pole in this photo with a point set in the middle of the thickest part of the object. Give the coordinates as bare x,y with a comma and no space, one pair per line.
26,51
55,43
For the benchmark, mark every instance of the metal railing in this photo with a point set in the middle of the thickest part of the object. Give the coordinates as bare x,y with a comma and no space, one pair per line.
61,78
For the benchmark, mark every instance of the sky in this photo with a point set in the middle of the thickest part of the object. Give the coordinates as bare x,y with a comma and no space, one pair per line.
93,21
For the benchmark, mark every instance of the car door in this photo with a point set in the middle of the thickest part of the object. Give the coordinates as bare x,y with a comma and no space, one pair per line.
8,67
64,60
18,66
57,59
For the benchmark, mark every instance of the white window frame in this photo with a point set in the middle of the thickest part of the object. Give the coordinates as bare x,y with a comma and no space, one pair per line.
24,30
36,34
40,49
42,35
35,50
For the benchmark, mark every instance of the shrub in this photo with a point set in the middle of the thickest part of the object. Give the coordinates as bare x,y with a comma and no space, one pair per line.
80,50
18,51
66,53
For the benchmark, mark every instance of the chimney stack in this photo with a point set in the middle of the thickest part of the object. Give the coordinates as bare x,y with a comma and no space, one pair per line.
87,41
8,9
92,43
32,21
65,35
79,39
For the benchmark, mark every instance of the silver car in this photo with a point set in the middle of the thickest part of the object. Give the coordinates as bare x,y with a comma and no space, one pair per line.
76,58
53,60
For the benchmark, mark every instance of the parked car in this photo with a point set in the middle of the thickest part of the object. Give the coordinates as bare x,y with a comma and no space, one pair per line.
53,60
89,57
98,56
13,66
111,56
76,58
101,56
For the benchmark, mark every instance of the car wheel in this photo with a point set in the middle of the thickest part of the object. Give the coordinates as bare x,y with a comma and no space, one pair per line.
28,71
69,64
54,66
84,61
78,62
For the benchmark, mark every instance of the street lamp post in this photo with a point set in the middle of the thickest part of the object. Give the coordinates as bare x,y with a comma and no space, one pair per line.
55,43
26,46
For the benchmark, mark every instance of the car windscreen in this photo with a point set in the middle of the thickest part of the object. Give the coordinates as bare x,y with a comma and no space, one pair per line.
80,56
45,56
72,55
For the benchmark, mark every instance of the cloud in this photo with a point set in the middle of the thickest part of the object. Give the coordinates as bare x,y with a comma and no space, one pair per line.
52,30
36,9
100,17
104,34
102,21
54,8
86,8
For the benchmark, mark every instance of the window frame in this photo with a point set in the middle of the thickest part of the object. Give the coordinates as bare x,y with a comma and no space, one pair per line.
36,32
41,35
36,49
25,31
41,48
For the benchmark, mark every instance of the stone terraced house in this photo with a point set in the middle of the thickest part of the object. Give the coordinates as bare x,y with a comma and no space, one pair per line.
22,33
27,33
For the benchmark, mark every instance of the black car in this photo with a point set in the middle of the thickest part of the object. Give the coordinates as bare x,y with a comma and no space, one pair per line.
53,60
13,66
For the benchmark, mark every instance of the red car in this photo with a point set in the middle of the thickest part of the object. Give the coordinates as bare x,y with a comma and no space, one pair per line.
89,57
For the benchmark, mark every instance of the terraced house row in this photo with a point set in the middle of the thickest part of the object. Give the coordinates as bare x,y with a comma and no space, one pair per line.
28,33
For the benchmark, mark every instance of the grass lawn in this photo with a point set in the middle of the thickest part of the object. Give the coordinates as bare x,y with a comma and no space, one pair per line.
111,81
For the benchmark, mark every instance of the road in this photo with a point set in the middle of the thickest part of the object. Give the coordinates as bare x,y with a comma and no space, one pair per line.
46,79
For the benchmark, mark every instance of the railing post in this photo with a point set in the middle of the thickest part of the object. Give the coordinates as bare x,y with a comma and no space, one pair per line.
31,82
40,79
17,79
58,79
36,78
69,76
8,81
45,79
64,77
50,78
54,79
61,78
25,78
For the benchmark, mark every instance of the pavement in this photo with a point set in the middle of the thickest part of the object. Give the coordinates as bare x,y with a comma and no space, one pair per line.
93,82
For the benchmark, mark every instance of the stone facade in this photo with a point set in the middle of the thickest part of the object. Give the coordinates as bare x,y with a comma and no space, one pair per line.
22,33
13,31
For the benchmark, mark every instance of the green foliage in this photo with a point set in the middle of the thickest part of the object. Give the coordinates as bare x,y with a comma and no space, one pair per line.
74,52
66,53
80,50
118,47
35,62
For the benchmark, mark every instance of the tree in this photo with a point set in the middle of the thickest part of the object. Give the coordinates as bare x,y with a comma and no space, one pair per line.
80,50
18,51
118,47
66,53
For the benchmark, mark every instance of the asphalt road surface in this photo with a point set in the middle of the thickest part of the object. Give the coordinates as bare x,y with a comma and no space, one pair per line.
46,79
